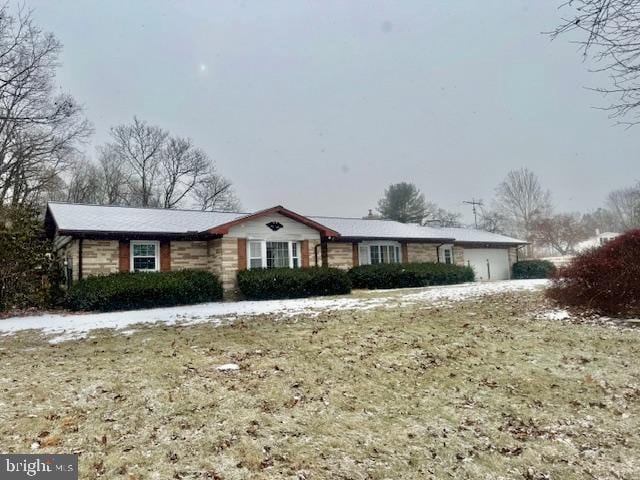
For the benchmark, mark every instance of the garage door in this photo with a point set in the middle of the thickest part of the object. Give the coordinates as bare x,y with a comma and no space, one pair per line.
488,263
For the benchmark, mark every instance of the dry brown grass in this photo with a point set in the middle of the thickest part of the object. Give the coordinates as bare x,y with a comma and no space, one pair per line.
479,390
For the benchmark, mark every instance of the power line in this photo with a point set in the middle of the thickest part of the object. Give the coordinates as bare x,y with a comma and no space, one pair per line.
473,202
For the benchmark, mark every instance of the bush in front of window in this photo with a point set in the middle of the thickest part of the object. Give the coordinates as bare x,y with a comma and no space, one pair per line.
404,275
533,269
128,291
273,283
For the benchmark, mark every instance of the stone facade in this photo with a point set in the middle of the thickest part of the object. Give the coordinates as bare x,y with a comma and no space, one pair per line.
312,254
99,257
422,253
189,254
458,255
71,255
340,255
223,261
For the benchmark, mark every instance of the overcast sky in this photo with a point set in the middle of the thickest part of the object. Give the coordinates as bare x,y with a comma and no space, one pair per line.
319,105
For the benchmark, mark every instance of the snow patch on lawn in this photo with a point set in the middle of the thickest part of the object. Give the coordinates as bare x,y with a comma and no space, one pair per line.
63,327
557,314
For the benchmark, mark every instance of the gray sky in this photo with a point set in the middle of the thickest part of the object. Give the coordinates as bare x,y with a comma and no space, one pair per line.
319,105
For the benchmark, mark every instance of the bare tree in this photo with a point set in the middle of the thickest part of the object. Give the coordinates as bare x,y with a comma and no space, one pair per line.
521,199
601,219
39,130
561,232
85,183
182,167
436,216
492,221
114,177
610,33
215,192
141,146
625,206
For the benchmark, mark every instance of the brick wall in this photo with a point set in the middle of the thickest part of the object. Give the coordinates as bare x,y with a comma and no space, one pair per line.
99,257
189,254
422,253
340,255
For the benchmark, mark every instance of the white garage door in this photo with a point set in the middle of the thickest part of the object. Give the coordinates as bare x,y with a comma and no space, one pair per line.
488,263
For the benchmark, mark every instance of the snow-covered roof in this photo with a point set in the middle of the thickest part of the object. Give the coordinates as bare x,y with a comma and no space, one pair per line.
380,229
78,218
96,218
472,235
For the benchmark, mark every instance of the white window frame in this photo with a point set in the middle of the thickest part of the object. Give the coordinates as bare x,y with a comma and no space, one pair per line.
443,258
364,251
263,251
144,242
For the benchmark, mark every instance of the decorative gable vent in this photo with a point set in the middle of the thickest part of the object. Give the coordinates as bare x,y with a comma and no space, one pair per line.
275,226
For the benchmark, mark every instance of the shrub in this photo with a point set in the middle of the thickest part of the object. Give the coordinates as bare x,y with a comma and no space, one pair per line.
400,275
606,279
533,269
123,291
28,268
261,284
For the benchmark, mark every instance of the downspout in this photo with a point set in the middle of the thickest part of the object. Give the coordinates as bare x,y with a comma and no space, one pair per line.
80,259
315,252
438,252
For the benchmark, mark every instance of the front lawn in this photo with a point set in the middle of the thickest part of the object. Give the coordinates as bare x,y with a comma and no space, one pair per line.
477,389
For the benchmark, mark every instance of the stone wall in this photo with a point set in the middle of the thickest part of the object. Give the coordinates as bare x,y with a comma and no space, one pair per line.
223,261
99,257
312,254
458,255
189,254
340,255
422,253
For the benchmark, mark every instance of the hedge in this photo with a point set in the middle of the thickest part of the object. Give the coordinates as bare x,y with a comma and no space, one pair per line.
401,275
604,279
533,269
261,284
125,291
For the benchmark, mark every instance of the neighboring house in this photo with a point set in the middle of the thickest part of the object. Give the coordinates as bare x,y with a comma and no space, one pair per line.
99,240
596,241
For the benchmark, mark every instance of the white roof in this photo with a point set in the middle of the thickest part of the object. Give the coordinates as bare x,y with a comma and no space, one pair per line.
78,218
97,218
472,235
379,229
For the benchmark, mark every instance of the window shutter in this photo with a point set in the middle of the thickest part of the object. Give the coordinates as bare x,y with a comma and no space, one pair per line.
124,256
242,254
355,254
304,253
364,254
165,256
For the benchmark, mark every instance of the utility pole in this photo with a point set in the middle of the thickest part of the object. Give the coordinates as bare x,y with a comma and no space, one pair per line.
473,202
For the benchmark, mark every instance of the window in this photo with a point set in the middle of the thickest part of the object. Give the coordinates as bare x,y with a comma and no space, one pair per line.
144,256
255,254
277,254
295,255
263,254
379,253
447,256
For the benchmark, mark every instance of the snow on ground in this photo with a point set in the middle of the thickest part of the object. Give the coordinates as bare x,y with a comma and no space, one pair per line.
63,327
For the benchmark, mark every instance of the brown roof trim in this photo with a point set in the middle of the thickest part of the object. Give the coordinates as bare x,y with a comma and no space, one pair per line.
490,244
101,234
324,231
439,241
